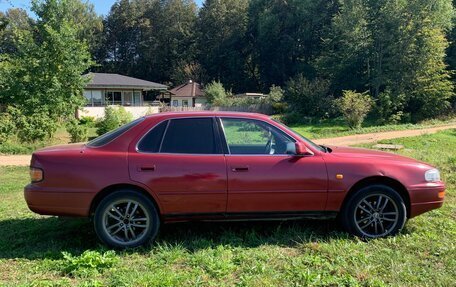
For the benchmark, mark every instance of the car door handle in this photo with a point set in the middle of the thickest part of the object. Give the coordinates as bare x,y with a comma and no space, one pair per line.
240,169
146,168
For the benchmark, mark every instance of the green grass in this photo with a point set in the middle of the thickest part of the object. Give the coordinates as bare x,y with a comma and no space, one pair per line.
337,127
49,251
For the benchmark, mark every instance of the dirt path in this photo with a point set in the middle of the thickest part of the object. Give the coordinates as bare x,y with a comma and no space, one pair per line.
374,137
24,160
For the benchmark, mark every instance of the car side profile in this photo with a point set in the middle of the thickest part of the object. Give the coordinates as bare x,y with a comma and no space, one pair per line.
173,167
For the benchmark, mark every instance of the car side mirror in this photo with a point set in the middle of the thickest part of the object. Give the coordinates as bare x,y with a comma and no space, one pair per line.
298,148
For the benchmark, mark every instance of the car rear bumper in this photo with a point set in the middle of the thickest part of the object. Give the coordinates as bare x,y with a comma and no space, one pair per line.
426,197
60,203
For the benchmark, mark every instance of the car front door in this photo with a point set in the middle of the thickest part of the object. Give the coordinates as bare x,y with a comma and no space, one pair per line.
182,162
262,177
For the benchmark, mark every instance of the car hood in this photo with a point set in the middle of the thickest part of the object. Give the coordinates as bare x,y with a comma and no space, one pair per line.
350,152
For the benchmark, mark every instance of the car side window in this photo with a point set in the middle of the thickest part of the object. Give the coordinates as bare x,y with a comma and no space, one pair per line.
245,136
152,140
190,136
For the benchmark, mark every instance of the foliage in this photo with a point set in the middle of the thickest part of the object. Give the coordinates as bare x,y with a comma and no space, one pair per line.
78,131
88,263
42,79
354,107
7,127
148,39
309,98
216,94
221,37
114,117
372,45
87,121
38,127
389,108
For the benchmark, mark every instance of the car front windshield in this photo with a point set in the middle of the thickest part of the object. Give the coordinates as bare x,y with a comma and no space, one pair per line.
306,140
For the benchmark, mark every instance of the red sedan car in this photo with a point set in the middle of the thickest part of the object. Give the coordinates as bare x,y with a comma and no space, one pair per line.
220,166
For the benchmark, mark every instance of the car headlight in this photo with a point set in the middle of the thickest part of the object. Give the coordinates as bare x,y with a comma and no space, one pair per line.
432,175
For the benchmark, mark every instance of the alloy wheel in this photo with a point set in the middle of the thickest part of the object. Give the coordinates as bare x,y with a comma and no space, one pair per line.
376,215
126,221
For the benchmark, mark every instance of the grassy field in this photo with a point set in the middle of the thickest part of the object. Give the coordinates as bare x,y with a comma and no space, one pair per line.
337,127
50,251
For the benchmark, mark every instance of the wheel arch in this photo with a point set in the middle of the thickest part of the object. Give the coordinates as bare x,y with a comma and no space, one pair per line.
384,180
109,189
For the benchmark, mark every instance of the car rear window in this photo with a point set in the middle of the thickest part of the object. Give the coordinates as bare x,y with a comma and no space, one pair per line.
190,136
152,140
110,136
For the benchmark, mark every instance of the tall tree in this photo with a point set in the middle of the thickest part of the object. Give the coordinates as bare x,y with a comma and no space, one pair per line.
149,39
43,79
11,21
396,50
222,43
286,36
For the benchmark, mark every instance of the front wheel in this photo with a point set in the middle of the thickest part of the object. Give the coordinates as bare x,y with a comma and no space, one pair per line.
374,211
126,219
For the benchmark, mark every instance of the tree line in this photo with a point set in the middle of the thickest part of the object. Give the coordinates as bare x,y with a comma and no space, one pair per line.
397,51
402,53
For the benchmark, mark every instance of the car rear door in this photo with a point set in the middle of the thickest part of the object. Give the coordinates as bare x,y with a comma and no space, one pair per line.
182,162
263,178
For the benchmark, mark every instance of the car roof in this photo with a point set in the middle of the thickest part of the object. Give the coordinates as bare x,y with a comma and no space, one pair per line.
208,113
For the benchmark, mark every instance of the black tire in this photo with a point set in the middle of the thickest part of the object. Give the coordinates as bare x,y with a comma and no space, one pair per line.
363,216
117,211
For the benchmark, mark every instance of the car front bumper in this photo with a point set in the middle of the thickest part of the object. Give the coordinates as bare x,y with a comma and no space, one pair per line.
425,197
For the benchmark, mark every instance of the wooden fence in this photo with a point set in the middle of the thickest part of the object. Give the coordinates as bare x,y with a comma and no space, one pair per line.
255,108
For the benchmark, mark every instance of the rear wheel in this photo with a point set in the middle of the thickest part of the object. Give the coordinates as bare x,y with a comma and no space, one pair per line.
126,219
374,211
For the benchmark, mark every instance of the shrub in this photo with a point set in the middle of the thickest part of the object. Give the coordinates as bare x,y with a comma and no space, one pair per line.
33,127
216,94
78,132
309,98
88,263
88,121
114,117
354,107
7,127
389,109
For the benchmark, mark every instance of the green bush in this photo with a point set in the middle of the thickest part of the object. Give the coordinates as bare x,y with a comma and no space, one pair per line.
7,127
216,94
88,263
33,127
389,108
78,132
114,117
88,121
354,107
309,98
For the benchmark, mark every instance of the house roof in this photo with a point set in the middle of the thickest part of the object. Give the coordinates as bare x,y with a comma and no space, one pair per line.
105,80
189,89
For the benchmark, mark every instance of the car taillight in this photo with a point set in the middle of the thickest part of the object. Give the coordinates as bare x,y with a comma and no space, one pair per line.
36,174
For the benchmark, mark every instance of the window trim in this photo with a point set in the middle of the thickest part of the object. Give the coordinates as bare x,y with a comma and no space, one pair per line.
258,120
139,120
214,127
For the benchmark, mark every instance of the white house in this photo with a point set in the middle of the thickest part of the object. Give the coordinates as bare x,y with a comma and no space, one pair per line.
189,94
106,89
